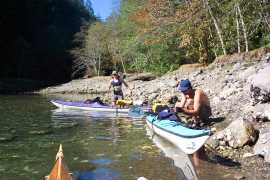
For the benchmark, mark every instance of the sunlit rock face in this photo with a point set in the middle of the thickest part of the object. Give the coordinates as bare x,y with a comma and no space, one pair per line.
260,86
262,146
260,93
236,135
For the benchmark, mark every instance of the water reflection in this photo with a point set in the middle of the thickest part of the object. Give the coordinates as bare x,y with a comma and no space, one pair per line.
83,114
101,171
97,174
121,135
95,145
181,160
102,162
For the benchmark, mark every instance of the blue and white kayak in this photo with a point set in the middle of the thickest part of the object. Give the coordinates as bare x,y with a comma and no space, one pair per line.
187,139
86,106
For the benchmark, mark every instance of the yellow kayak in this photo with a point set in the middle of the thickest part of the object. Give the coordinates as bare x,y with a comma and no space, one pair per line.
59,170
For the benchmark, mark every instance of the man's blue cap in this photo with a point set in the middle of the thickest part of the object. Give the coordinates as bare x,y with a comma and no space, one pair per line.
184,85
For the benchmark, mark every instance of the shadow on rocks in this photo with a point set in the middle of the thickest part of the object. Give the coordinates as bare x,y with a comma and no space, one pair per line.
214,120
215,158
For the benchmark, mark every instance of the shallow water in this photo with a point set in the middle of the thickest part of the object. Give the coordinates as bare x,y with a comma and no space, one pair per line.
96,146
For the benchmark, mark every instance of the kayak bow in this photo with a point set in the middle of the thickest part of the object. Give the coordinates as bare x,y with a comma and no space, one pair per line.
187,139
59,170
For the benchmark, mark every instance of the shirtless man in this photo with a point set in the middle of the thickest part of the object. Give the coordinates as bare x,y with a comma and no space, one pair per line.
194,102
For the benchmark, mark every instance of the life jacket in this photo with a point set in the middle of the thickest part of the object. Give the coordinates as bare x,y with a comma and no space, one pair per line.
121,102
158,107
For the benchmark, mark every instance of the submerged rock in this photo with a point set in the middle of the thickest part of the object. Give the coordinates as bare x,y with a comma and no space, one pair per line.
142,178
7,137
40,132
65,125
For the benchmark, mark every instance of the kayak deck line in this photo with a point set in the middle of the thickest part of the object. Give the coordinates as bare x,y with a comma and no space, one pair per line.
179,128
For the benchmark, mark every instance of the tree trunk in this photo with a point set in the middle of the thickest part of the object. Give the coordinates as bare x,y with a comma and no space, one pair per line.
211,37
99,65
216,26
237,29
123,65
95,67
267,22
263,14
243,26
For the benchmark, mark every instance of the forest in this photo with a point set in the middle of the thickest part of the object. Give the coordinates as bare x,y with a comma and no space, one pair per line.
37,37
59,40
160,35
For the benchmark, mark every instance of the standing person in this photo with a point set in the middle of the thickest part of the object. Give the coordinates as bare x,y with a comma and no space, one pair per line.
194,103
116,84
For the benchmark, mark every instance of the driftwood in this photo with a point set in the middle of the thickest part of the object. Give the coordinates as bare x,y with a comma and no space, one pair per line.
142,77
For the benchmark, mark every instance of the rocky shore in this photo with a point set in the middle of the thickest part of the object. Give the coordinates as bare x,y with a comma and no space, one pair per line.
239,91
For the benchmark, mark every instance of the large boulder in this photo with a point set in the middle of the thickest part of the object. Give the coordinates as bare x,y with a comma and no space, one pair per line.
236,135
262,146
260,86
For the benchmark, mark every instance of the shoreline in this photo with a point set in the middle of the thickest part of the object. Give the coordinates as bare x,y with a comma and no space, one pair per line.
228,88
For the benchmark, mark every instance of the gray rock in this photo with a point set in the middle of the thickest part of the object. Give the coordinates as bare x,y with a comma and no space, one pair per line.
237,134
262,111
266,57
244,75
239,177
260,86
236,67
227,92
262,147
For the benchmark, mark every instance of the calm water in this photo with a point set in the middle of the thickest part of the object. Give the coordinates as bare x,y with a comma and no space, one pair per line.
96,146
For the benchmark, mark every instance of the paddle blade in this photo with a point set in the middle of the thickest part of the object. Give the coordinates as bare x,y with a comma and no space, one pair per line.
136,111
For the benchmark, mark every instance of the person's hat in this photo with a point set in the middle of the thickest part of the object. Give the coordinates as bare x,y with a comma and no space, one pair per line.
184,85
114,73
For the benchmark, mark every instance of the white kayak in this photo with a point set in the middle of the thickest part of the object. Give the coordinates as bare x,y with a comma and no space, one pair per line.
180,159
187,139
88,106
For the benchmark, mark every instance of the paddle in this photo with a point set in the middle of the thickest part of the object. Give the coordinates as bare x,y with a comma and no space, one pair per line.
139,111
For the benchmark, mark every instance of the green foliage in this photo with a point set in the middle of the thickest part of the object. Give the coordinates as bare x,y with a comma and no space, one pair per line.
160,35
265,41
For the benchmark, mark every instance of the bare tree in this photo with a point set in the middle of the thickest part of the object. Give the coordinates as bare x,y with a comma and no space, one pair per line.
237,29
219,32
243,26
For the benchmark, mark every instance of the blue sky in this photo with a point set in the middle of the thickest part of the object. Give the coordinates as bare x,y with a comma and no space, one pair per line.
104,8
